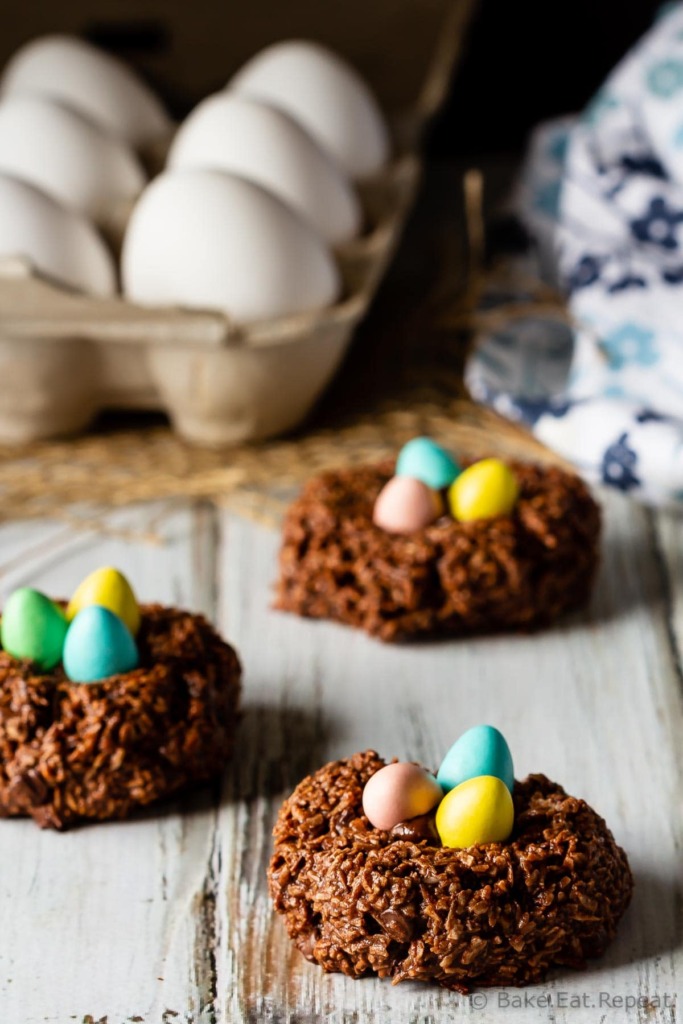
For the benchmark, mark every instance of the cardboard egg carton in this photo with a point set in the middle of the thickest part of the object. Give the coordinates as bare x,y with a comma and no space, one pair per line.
65,356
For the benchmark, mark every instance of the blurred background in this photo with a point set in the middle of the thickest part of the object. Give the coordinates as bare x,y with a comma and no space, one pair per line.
530,61
522,62
416,330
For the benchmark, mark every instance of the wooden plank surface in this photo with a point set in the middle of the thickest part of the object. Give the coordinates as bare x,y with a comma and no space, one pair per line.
101,923
167,919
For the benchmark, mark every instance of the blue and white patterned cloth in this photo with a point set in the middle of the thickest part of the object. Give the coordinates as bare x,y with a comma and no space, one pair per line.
602,199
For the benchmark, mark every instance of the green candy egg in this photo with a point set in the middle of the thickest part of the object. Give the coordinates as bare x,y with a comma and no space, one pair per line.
33,627
425,460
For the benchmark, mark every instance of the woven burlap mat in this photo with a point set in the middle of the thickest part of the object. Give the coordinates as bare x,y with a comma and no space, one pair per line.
402,378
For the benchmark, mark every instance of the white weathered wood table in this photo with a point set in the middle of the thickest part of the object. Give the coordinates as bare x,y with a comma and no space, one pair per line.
166,919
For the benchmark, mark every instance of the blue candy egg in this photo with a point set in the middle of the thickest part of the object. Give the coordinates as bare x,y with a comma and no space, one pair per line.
481,750
425,460
98,645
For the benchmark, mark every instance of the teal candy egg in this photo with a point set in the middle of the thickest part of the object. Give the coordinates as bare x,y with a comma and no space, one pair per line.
98,645
33,627
425,460
481,750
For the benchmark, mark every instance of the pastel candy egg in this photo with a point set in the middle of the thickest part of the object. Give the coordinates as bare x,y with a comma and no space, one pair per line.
477,811
110,589
405,505
98,645
481,750
427,461
33,627
482,491
398,792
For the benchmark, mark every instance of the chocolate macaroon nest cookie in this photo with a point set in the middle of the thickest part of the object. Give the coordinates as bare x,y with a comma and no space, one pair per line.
514,572
397,904
77,752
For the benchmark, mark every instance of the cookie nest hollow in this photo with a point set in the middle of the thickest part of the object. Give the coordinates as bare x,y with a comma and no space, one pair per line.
362,901
519,571
76,752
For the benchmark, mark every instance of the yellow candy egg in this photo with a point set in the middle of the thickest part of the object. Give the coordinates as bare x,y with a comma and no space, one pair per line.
484,490
110,589
479,810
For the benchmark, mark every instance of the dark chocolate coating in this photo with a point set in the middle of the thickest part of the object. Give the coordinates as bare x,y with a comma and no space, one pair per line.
363,901
515,572
77,752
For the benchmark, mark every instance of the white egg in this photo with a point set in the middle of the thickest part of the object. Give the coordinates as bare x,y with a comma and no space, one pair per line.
91,81
323,93
207,239
58,242
66,155
227,132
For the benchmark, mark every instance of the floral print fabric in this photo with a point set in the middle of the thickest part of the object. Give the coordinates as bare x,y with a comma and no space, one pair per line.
601,197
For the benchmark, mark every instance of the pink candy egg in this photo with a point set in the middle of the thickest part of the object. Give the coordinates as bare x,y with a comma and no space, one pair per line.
405,505
399,792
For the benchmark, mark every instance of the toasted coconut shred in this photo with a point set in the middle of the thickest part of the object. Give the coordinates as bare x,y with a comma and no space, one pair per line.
362,901
77,752
515,572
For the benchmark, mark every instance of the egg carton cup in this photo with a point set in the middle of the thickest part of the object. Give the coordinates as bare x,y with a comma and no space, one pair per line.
64,356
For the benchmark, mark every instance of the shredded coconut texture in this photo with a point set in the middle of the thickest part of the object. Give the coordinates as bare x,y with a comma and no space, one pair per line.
362,901
78,752
515,572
